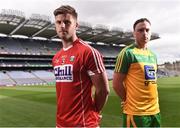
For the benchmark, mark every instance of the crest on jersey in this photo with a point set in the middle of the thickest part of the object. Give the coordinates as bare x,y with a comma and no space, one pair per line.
72,58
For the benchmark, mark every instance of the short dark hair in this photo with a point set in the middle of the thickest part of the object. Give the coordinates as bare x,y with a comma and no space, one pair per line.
66,9
140,20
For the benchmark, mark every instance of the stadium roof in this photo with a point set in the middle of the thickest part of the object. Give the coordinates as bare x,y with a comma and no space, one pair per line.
13,22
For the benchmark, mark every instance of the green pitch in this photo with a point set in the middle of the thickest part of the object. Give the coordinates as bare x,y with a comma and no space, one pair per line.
35,106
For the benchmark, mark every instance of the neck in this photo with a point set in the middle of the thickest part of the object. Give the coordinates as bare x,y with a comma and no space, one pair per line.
141,45
68,42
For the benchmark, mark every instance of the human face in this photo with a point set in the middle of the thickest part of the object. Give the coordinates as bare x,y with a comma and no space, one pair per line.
142,33
66,26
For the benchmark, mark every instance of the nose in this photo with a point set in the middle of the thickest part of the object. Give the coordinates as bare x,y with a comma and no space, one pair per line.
62,25
145,32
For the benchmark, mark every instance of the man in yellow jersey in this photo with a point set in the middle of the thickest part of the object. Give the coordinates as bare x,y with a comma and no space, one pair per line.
134,80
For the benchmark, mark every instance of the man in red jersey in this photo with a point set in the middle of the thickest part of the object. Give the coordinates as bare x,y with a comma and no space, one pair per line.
77,67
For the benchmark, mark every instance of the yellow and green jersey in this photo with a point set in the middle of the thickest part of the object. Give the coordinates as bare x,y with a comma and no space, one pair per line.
140,67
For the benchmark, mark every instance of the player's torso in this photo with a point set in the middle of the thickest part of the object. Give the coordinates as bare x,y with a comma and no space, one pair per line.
70,73
73,87
141,82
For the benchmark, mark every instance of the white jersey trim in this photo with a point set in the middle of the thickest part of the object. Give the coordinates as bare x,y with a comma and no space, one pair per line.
97,58
82,98
65,49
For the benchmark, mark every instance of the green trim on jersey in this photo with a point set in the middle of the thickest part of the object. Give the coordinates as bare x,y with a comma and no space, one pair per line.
131,54
122,60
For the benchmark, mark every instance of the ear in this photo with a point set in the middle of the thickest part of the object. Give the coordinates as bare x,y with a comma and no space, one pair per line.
77,25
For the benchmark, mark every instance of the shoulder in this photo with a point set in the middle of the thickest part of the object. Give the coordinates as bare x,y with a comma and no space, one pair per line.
84,44
85,47
152,53
129,47
126,50
56,55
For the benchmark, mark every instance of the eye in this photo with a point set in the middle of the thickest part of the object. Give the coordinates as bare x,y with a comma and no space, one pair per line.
142,30
147,30
58,22
67,22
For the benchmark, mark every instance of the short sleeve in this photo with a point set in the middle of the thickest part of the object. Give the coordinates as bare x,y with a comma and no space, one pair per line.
122,62
94,61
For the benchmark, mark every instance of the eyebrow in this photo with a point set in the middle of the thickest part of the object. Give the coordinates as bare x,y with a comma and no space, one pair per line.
141,29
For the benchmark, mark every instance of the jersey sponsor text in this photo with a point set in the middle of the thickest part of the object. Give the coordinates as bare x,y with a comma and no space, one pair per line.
63,73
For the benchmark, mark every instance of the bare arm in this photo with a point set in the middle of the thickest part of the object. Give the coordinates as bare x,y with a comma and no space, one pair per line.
100,82
118,86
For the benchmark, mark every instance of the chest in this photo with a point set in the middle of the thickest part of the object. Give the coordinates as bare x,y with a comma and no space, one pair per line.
68,66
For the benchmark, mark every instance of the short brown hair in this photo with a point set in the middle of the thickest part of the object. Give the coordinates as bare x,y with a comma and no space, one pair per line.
66,9
140,20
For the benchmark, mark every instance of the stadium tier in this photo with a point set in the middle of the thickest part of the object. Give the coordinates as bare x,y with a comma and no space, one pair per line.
28,62
27,46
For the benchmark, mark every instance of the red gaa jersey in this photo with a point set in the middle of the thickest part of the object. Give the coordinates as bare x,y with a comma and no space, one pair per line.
73,68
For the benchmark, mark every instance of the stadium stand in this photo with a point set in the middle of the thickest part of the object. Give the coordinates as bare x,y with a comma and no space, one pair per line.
5,80
27,46
169,69
44,75
24,78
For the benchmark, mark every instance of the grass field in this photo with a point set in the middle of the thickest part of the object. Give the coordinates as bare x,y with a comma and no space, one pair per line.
34,106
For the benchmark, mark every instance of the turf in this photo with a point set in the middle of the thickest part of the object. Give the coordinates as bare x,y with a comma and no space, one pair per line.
27,106
34,106
169,96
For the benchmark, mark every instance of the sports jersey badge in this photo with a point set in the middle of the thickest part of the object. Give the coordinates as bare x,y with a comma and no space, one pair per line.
72,58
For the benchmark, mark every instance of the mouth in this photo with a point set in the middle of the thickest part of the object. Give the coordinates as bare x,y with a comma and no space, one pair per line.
62,32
